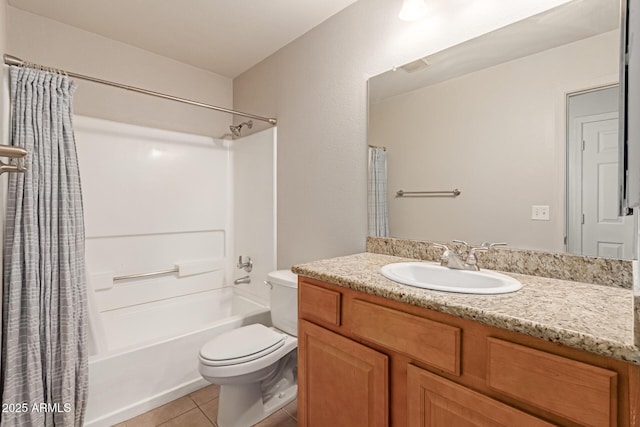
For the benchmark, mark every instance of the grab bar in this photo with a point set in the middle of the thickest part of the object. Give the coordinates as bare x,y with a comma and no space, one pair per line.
16,159
12,152
153,273
451,193
183,269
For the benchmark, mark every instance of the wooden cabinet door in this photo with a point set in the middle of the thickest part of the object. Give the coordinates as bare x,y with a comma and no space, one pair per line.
436,402
341,383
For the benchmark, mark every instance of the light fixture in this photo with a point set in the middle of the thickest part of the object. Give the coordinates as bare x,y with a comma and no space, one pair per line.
412,10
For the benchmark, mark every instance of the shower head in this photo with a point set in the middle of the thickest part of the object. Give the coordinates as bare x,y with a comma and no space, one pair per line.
235,130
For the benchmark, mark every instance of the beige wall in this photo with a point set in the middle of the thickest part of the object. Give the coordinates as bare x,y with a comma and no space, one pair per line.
41,40
317,88
495,134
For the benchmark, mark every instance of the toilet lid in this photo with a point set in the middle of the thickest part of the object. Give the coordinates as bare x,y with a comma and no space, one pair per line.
241,345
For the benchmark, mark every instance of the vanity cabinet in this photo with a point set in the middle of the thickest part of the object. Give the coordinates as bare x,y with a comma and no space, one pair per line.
345,383
370,361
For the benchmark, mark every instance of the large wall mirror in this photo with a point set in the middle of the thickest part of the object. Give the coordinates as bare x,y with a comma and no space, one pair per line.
523,122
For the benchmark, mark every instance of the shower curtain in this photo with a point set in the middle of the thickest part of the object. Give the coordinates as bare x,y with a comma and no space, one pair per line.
378,213
44,328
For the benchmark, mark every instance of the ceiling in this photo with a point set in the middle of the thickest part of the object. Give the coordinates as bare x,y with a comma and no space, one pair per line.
224,36
570,22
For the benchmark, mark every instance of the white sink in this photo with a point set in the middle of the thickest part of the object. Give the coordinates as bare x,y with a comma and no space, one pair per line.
439,278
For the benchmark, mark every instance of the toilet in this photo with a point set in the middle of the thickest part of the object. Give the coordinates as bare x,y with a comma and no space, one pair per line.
256,365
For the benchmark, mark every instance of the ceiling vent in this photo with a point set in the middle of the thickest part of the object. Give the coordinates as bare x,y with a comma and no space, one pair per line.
417,65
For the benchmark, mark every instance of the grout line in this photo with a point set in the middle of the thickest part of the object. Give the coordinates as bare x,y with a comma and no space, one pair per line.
201,389
180,414
214,422
197,407
204,403
292,417
295,417
205,416
204,413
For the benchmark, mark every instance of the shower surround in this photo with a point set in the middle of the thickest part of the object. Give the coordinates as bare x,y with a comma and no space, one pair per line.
156,200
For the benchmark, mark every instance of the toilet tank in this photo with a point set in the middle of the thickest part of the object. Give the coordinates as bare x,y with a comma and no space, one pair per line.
284,300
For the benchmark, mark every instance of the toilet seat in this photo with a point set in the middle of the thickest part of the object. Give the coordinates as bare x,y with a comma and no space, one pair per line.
222,373
241,345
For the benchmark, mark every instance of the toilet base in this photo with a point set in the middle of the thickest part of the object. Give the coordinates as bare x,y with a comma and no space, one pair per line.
241,405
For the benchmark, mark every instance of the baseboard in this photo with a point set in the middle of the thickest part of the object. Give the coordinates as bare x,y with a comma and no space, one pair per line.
146,405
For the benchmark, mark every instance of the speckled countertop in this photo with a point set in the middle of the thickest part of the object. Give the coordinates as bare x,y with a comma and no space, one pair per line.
589,317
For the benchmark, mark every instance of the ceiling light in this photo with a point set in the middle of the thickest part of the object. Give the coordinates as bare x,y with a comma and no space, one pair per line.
412,10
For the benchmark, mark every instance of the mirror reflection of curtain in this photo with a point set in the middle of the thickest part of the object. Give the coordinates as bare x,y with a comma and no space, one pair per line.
378,212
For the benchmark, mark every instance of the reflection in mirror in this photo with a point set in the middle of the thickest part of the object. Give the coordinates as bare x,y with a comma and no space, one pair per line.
504,118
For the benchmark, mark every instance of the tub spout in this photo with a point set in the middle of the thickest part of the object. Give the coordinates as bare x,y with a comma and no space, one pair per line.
245,279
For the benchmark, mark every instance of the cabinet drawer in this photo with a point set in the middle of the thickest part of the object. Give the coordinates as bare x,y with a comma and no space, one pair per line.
319,304
436,402
574,390
432,343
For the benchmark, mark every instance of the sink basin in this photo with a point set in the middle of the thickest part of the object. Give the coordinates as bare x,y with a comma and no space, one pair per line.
439,278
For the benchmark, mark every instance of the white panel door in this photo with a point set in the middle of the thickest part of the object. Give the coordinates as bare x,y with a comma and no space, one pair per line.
604,233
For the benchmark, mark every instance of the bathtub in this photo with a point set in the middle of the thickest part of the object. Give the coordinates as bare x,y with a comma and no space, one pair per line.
129,381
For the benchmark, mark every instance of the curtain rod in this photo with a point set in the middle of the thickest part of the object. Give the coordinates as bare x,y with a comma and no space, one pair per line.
12,60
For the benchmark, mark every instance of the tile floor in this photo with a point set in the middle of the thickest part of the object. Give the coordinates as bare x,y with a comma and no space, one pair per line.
200,409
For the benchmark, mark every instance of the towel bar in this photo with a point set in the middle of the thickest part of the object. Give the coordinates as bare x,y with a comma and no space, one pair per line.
451,193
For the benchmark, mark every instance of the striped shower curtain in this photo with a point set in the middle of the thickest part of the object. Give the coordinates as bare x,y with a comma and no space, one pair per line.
44,328
377,197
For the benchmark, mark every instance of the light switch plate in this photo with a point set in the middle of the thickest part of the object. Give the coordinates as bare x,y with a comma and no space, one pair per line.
540,212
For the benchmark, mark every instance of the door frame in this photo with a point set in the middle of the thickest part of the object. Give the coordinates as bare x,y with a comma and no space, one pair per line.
560,193
575,178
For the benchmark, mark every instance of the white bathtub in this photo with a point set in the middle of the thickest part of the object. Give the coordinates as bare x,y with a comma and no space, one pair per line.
131,381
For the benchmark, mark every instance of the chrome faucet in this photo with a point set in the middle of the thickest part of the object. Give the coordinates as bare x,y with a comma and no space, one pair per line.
452,259
246,265
241,280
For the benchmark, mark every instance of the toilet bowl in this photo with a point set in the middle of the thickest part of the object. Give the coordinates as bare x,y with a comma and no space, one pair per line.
256,365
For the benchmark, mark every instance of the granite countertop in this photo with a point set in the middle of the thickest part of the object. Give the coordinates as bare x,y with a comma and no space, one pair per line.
589,317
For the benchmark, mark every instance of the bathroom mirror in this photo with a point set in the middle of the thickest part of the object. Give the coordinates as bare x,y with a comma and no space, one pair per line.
522,122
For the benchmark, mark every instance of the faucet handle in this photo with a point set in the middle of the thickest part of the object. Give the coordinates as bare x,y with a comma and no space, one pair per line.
438,245
462,242
473,250
491,245
472,260
445,255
